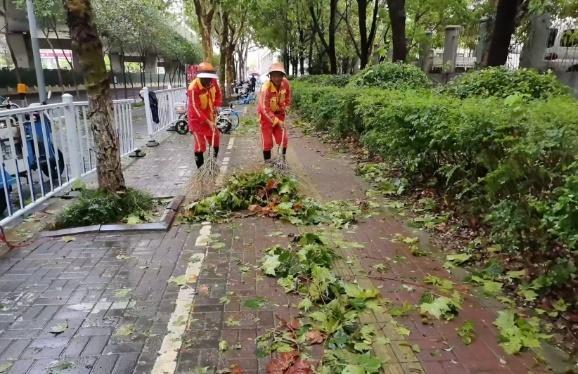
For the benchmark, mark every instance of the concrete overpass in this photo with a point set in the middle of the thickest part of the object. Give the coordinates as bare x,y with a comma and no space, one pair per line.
14,24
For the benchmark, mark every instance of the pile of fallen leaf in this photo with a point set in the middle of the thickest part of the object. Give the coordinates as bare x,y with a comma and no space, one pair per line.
498,273
330,313
269,194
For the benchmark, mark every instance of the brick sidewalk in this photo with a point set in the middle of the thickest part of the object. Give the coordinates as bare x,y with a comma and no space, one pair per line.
165,169
442,350
112,297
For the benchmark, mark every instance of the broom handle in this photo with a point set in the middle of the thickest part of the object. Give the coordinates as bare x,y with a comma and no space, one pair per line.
211,146
282,138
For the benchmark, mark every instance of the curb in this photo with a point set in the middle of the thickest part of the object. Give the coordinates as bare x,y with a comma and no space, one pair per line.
163,225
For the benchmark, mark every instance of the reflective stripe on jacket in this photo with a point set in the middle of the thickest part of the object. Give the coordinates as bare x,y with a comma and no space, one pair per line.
273,101
203,101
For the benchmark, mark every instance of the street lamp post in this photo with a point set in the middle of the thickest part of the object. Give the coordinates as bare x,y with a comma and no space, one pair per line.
36,51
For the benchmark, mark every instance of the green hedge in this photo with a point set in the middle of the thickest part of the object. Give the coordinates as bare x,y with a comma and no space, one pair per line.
325,79
512,162
390,75
501,82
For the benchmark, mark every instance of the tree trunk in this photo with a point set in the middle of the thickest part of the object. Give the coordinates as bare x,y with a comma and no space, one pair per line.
504,27
532,55
366,39
205,21
397,16
86,42
310,54
332,29
301,51
207,44
329,46
362,14
230,63
223,53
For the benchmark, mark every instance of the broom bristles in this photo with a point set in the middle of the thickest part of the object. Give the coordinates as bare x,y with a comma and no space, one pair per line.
206,175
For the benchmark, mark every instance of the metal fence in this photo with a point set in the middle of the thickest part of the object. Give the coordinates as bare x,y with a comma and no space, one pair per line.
165,107
123,119
44,148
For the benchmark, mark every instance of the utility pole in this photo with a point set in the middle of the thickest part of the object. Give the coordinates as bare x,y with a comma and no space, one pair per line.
36,51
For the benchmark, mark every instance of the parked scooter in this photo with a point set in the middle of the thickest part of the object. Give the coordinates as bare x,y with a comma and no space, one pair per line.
26,145
181,125
227,120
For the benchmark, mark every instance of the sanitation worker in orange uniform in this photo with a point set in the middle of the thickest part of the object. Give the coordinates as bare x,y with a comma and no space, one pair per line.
273,105
204,96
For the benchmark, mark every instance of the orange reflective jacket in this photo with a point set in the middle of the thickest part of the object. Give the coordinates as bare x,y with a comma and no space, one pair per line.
203,101
273,102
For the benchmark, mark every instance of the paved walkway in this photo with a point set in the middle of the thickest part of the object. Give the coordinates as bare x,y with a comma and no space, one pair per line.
113,304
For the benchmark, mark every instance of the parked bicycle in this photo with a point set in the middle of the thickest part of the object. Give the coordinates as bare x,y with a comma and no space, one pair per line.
27,143
181,124
6,103
227,120
248,98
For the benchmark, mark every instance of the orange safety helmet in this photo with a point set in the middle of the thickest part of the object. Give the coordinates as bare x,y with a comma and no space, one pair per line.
277,66
206,70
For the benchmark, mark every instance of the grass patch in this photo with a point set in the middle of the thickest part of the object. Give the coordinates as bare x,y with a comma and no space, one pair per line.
96,207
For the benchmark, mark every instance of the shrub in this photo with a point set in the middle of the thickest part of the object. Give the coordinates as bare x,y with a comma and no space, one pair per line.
330,109
325,79
95,207
501,82
391,76
509,161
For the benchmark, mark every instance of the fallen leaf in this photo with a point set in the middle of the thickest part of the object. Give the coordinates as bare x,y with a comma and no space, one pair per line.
414,347
122,293
68,239
294,324
225,300
180,281
5,366
223,346
203,289
408,288
300,367
256,303
125,330
281,362
122,257
133,219
218,245
230,322
59,328
57,367
402,331
315,337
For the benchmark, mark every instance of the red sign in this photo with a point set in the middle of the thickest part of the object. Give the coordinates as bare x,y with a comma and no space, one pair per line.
191,72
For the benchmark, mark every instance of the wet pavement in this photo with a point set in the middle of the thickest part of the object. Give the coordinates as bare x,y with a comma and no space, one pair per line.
163,302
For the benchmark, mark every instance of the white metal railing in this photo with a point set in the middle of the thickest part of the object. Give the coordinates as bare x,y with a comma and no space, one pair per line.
122,111
44,148
165,107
